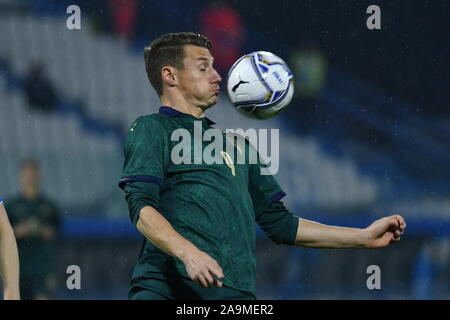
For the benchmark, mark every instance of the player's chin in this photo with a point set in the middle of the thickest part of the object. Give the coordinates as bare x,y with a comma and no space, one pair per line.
211,101
215,97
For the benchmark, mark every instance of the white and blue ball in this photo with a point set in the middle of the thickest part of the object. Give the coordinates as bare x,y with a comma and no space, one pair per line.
260,84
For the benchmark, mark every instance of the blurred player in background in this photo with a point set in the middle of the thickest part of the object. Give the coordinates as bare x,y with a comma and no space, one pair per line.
9,258
198,220
36,222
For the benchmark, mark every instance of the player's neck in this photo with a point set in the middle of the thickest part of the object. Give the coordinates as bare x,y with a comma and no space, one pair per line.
180,104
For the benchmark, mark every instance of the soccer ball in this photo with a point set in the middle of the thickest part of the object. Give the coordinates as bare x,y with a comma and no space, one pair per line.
260,84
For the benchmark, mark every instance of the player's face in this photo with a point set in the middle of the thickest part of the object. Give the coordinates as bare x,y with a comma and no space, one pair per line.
199,81
30,176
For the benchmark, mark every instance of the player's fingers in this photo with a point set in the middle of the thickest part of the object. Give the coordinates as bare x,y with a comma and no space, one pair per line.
220,271
217,271
200,280
209,279
215,265
402,228
397,234
402,223
217,283
393,222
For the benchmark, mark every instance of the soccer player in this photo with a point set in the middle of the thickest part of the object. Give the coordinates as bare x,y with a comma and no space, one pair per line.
9,258
198,219
35,220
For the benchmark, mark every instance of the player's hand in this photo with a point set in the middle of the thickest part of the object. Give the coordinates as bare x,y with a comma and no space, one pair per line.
203,269
384,231
24,229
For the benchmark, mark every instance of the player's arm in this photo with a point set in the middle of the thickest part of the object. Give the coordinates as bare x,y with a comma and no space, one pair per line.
199,265
379,234
202,268
283,227
9,258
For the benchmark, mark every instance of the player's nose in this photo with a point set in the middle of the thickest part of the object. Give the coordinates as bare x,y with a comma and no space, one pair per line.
217,78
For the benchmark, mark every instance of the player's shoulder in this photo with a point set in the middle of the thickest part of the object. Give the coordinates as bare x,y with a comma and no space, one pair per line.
150,119
153,121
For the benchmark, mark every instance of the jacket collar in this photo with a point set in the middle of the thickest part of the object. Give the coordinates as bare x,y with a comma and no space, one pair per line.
171,112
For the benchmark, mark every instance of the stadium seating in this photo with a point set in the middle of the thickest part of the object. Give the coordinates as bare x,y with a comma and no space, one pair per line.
110,81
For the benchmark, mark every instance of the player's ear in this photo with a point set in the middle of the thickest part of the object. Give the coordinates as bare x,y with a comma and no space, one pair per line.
168,75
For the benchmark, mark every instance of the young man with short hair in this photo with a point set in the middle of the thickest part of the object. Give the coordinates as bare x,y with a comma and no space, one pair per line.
198,219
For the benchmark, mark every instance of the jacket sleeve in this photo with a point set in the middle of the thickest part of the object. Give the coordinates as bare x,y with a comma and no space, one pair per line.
278,223
138,195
